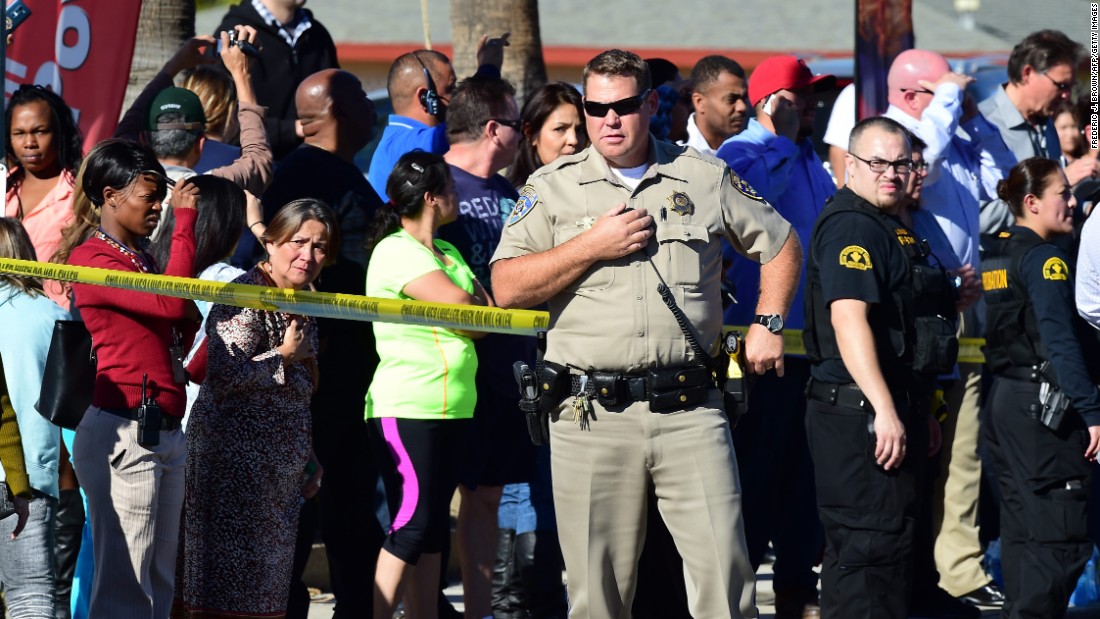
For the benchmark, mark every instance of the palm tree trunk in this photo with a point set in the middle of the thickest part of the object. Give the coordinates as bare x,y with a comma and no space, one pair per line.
523,62
163,26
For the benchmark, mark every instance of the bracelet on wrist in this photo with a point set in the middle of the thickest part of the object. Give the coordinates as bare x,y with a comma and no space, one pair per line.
253,224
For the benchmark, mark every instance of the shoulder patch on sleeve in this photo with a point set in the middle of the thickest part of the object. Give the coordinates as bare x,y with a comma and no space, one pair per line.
528,199
744,188
1055,269
855,257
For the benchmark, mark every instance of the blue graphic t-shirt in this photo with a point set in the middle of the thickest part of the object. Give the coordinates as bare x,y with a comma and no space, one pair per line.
483,206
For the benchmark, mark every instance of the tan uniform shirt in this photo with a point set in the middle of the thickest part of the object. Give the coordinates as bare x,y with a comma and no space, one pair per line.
612,317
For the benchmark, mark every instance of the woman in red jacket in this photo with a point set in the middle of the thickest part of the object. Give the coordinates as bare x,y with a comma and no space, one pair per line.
129,453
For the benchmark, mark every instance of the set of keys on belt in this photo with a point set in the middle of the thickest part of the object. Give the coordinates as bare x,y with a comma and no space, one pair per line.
582,406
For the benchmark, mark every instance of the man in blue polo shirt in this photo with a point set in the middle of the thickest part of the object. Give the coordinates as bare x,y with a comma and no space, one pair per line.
420,84
775,155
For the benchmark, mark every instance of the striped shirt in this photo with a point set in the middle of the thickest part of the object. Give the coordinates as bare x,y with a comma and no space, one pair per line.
290,32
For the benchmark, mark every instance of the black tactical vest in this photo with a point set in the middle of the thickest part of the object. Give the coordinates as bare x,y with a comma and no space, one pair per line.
1011,330
919,319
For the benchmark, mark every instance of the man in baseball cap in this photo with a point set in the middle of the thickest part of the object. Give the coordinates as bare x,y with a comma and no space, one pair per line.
181,111
775,156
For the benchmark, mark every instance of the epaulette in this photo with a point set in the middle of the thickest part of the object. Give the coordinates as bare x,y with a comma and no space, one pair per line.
560,162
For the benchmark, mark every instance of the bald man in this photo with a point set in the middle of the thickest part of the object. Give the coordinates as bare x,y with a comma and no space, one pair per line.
929,99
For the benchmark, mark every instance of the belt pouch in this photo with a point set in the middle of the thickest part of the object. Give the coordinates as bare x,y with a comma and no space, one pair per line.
553,385
663,379
678,398
610,390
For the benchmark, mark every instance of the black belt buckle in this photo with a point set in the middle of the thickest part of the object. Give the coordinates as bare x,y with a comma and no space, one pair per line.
610,388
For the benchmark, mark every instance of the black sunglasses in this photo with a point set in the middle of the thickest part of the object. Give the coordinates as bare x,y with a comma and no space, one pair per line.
622,107
516,124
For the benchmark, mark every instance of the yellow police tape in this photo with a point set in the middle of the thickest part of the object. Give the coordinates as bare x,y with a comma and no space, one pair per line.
319,304
349,306
970,348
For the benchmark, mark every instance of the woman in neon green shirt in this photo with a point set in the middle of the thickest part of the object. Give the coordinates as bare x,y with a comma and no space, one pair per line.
422,396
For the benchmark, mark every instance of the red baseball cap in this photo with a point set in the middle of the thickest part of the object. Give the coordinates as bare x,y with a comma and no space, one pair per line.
785,73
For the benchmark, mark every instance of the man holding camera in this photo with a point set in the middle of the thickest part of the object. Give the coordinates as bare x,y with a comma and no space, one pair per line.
633,401
293,45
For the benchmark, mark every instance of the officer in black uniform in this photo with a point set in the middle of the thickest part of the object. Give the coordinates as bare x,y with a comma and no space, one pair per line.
876,336
1042,418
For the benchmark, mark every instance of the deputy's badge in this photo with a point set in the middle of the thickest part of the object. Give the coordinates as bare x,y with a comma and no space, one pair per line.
744,188
855,257
528,199
1055,269
586,223
681,204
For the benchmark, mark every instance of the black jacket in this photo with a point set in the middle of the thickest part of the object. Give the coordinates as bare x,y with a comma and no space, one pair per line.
279,70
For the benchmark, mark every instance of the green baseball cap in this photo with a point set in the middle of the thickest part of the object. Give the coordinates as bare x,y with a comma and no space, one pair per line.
179,100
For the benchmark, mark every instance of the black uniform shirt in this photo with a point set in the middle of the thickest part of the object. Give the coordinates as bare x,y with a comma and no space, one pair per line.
856,258
1069,343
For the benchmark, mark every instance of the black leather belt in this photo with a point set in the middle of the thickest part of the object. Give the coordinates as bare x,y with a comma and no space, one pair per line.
666,389
635,386
847,395
1026,374
167,423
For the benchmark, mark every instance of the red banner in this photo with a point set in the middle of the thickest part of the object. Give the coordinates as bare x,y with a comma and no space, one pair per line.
884,29
82,49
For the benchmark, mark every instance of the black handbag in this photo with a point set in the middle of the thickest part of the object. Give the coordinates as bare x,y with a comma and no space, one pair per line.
69,377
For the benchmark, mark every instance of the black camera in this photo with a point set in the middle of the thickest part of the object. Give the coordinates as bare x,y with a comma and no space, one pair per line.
245,46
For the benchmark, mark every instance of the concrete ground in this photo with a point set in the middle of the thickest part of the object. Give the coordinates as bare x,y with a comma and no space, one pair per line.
322,606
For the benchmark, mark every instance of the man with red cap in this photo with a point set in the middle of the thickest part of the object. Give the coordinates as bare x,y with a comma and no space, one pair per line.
775,155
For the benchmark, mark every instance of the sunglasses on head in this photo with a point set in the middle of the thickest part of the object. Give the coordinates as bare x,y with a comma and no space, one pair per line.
622,107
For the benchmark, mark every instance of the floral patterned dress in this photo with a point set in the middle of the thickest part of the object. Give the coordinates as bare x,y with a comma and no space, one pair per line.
247,446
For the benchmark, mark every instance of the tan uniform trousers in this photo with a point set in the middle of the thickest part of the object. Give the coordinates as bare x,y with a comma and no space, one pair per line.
135,496
601,479
958,551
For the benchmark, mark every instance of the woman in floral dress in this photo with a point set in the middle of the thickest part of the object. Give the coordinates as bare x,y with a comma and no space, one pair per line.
249,457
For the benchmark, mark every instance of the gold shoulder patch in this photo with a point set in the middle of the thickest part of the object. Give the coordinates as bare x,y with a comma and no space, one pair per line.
1055,269
744,188
855,257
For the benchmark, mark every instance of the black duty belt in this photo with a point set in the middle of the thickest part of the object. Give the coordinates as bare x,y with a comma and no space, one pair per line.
167,422
847,395
665,389
1026,374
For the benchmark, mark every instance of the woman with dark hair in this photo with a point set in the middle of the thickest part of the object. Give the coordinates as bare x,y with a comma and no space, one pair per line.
27,562
221,215
45,142
129,451
249,438
422,396
553,125
527,571
1042,417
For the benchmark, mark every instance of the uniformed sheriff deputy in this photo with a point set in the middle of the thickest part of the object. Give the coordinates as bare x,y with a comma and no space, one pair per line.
876,335
596,234
1042,418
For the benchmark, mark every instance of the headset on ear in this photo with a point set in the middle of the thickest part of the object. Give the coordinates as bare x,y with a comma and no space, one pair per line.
433,105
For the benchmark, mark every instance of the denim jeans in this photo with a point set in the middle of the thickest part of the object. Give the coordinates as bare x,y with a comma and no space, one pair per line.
526,507
26,563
